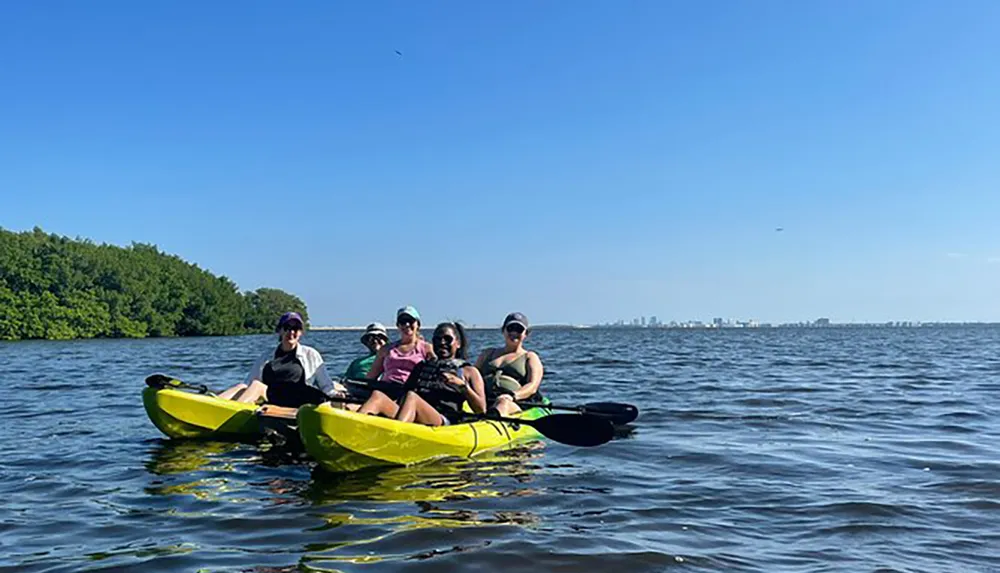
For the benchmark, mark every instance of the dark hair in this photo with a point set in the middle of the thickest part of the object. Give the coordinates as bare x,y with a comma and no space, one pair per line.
463,341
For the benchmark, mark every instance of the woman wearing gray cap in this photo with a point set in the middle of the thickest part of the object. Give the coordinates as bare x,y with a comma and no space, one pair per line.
510,372
291,375
374,338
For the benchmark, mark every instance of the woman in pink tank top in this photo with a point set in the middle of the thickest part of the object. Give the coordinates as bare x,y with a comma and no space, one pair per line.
395,361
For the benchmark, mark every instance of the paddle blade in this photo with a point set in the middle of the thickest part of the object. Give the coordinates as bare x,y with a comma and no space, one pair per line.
161,381
617,414
574,429
164,381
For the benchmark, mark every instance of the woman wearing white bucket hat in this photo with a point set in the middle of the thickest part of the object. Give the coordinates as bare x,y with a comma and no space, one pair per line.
374,338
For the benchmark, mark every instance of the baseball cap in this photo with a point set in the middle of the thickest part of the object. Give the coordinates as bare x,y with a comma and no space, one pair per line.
516,318
290,317
409,311
375,329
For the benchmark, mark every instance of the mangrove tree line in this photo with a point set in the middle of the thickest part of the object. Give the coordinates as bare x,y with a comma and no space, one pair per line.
59,288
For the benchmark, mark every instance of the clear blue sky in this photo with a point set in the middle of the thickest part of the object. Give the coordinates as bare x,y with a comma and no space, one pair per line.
579,161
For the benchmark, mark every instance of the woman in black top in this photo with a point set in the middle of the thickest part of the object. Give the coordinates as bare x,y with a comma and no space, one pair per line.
291,375
438,387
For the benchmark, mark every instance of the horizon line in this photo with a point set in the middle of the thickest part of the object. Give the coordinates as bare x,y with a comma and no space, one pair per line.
689,325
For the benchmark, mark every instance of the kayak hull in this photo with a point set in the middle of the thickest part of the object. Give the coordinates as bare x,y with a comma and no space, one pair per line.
344,441
180,414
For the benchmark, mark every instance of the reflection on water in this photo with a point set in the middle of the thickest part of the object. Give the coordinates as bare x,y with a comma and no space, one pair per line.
361,511
445,480
182,456
428,492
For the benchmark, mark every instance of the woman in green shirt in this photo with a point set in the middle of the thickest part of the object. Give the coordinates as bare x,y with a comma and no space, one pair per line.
374,338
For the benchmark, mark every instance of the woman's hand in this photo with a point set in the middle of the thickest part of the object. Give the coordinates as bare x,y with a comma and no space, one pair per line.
452,378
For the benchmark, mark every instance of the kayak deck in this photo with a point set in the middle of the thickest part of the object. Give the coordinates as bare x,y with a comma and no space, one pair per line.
343,441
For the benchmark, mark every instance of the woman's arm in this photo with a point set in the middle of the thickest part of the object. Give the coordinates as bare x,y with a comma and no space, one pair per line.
481,361
376,369
474,390
428,350
535,373
327,385
256,373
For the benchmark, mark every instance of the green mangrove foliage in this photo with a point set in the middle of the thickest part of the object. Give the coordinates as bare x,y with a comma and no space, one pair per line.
59,288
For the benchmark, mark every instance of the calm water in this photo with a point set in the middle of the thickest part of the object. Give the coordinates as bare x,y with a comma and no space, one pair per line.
769,450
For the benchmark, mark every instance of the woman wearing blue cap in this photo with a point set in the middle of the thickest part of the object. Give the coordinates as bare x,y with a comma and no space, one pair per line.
438,388
394,362
291,375
510,372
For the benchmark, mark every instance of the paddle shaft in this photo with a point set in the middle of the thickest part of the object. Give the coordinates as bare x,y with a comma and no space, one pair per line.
618,414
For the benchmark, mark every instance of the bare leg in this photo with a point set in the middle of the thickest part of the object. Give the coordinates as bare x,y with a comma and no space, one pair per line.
251,394
233,392
506,406
379,403
415,409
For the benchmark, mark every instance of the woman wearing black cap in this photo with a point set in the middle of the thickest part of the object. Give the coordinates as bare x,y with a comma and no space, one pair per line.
510,372
291,375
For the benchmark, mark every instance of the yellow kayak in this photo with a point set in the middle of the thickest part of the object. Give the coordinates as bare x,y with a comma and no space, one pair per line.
180,414
344,441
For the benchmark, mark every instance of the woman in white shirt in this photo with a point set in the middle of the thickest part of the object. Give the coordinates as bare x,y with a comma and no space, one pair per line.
291,375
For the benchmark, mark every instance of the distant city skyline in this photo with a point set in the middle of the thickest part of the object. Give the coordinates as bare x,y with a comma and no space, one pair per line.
719,322
697,324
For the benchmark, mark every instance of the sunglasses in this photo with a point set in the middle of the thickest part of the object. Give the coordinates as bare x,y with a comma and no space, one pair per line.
291,328
405,321
446,338
515,329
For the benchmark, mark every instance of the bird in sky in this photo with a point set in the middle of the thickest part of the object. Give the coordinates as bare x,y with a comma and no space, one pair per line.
779,229
398,53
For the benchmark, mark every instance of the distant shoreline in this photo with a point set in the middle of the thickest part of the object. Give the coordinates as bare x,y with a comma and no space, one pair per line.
704,328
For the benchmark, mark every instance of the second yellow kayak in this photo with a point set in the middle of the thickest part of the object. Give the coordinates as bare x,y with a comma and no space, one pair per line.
343,441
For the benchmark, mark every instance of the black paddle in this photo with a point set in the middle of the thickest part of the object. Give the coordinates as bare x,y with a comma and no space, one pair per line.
618,414
163,381
581,430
